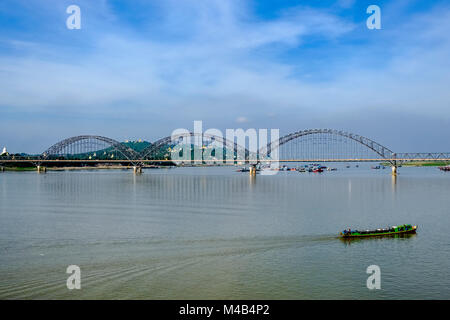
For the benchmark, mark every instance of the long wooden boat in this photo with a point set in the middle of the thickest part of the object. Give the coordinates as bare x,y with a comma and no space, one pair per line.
403,229
446,168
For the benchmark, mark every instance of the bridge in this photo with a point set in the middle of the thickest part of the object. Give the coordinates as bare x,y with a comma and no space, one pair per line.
314,145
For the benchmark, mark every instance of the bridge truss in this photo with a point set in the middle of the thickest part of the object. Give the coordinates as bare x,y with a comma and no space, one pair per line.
314,145
325,144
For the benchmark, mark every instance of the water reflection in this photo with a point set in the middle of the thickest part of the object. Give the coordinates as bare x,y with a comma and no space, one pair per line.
180,187
394,182
349,241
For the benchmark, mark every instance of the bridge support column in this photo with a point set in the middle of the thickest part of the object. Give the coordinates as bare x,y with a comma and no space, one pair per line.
252,170
2,168
41,169
394,170
137,169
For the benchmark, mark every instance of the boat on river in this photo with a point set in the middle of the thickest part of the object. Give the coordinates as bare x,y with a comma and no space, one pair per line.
394,230
446,168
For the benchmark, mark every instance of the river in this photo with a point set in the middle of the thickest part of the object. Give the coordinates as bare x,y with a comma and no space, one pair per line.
213,233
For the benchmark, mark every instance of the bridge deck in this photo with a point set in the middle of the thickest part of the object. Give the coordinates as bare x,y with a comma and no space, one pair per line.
222,161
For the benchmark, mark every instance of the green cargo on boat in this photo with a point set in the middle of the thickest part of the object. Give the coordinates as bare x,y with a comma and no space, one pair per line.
403,229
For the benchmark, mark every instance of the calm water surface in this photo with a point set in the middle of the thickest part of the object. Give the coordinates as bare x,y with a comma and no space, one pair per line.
212,233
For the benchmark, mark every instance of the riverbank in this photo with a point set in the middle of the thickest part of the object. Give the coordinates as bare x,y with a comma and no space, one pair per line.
22,169
426,164
420,164
18,169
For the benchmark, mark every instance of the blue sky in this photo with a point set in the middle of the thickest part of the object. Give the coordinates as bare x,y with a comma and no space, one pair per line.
140,69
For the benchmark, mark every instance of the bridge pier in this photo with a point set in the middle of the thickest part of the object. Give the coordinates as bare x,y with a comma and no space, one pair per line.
394,170
2,168
41,169
137,169
252,170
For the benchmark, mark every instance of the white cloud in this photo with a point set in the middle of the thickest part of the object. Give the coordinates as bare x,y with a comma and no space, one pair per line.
214,59
241,119
346,3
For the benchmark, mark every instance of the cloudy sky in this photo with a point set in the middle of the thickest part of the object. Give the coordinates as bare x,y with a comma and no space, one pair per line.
140,69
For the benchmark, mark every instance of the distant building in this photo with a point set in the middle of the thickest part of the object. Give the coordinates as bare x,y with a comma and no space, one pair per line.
4,151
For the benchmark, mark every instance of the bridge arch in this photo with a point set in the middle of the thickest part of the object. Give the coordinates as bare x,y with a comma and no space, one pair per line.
382,151
171,140
88,144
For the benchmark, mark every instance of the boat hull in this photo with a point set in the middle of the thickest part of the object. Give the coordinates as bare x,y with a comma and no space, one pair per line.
381,234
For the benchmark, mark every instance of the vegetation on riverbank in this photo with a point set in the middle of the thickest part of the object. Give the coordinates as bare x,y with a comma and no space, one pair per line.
19,168
421,164
73,168
426,163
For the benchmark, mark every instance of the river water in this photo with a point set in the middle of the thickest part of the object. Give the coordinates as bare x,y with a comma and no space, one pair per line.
213,233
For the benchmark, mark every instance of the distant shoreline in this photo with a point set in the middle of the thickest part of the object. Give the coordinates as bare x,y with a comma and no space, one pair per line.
19,169
421,164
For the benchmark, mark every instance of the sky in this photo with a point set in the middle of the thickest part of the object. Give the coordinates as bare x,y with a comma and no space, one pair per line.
141,69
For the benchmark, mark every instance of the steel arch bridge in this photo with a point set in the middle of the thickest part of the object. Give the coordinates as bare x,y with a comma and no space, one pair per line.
315,145
195,140
86,145
325,145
